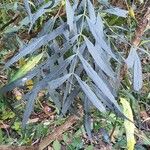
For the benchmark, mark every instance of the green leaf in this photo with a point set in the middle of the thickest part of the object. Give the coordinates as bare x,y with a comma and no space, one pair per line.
90,147
56,145
27,67
1,136
129,126
7,115
16,126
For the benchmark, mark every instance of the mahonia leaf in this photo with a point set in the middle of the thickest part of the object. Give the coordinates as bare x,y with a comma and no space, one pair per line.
87,117
133,61
98,35
117,11
66,105
97,58
53,85
29,107
131,57
55,73
42,10
90,94
104,99
70,15
97,80
37,43
100,25
57,82
91,11
28,9
137,81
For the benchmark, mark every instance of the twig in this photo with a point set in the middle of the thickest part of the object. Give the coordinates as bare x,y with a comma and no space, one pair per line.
141,28
58,131
113,130
9,22
5,147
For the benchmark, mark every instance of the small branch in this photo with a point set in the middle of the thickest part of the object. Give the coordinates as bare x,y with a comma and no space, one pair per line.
143,24
4,147
58,132
9,22
113,130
